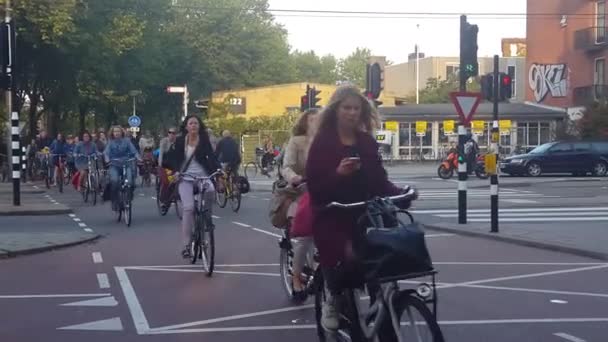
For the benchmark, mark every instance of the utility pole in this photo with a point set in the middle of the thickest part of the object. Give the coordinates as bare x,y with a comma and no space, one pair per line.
8,65
462,130
494,155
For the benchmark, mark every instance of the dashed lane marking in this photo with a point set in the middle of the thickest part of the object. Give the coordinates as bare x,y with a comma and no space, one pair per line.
97,257
103,281
241,224
71,215
88,230
569,337
76,219
65,295
82,225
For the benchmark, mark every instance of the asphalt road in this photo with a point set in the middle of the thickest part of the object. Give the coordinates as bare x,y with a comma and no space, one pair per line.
133,286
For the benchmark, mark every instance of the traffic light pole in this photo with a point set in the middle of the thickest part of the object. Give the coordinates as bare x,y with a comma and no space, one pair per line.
495,145
15,149
462,136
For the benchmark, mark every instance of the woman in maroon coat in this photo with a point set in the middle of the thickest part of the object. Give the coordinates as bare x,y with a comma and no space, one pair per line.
344,166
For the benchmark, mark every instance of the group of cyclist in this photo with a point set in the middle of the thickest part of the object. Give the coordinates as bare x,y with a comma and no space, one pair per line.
332,151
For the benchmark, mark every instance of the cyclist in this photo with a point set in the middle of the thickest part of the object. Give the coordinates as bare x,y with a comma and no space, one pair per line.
192,154
119,147
85,148
58,149
69,150
228,153
343,165
294,171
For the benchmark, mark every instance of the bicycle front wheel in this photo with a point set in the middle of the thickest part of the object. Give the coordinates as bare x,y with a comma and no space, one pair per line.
235,198
221,198
207,245
251,170
420,323
59,180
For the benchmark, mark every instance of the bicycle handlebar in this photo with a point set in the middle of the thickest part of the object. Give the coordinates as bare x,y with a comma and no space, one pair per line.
196,177
410,194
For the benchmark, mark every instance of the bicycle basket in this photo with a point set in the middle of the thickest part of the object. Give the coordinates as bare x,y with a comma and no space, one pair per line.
243,184
396,251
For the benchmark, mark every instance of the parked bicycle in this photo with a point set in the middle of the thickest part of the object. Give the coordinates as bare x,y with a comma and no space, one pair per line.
380,317
265,168
203,237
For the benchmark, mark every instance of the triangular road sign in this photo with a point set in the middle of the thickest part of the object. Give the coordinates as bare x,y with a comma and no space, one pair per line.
466,105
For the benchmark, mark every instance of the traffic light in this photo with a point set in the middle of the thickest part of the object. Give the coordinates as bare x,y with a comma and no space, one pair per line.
374,78
506,86
304,103
469,67
487,86
313,100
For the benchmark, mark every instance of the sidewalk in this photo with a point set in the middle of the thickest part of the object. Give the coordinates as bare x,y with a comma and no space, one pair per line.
39,224
573,239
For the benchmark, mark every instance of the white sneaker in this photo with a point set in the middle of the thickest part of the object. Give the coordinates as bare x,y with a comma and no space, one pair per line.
329,315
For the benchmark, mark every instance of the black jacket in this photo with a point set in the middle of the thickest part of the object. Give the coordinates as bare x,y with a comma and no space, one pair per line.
227,151
176,156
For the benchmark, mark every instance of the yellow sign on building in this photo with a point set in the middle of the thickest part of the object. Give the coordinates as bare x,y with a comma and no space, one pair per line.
421,128
478,126
505,127
391,126
448,127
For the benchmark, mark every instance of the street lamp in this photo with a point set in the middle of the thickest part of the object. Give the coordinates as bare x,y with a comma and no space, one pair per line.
134,94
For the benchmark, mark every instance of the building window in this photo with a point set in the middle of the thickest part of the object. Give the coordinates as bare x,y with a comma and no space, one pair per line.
599,74
600,21
451,71
405,132
544,133
513,75
530,134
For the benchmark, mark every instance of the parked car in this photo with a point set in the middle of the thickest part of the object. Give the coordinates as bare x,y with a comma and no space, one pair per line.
577,158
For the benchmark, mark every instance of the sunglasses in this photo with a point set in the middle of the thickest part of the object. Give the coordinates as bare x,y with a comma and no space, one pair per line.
170,132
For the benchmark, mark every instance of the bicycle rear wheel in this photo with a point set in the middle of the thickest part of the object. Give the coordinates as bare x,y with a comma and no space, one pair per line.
235,198
59,180
420,323
251,170
127,209
286,266
93,186
221,197
195,246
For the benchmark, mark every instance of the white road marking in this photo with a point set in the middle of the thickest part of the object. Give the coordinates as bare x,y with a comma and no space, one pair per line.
76,219
105,301
215,216
522,214
512,210
88,230
103,281
112,324
435,263
438,235
158,331
137,313
544,219
523,276
97,257
82,225
559,301
54,295
153,197
241,224
266,232
569,337
71,215
518,201
235,317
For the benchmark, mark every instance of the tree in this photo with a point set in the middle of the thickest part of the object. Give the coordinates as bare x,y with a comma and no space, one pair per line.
438,90
594,123
353,67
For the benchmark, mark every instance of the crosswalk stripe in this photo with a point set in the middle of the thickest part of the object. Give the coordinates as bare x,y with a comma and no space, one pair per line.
529,214
514,210
543,219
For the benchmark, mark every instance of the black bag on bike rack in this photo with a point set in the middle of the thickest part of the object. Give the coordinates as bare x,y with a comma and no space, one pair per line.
395,251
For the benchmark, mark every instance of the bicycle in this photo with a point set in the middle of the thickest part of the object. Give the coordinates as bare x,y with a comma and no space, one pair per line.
230,190
286,255
387,302
91,185
251,168
59,174
173,197
203,238
146,172
125,193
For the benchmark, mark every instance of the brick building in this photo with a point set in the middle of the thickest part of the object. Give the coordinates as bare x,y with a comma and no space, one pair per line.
566,52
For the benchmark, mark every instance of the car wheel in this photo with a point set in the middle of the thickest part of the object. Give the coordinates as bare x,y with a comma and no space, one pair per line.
534,169
600,169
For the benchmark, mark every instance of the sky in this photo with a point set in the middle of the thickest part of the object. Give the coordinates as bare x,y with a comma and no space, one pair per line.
396,37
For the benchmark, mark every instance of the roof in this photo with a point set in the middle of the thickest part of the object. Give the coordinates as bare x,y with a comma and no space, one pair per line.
446,111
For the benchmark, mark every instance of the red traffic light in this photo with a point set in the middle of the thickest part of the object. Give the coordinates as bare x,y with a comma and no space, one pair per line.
506,80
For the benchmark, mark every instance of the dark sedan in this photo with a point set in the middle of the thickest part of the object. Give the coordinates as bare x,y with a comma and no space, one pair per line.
577,158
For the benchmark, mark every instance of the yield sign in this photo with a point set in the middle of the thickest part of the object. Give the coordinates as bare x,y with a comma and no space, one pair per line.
466,105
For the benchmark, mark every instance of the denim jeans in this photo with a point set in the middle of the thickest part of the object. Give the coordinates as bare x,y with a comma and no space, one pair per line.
115,173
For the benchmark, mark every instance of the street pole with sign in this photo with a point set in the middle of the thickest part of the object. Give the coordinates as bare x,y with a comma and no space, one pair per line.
183,90
8,38
466,106
492,158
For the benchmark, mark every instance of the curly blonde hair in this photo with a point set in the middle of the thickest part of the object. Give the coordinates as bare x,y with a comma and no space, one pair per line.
301,126
369,116
110,133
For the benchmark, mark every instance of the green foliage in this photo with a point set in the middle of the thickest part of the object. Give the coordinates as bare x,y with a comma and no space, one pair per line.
594,124
438,90
353,67
239,125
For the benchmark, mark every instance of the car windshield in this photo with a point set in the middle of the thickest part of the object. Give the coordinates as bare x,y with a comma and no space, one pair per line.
542,148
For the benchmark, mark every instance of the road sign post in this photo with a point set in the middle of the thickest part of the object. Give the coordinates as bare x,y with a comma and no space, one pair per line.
494,153
466,106
182,90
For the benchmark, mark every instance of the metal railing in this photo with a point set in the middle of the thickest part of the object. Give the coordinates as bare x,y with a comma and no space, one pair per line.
591,39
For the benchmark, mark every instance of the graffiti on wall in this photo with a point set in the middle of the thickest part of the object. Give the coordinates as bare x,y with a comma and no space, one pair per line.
548,79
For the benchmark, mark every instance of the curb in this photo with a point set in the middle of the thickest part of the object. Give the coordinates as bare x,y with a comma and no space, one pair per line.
522,242
37,212
4,254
